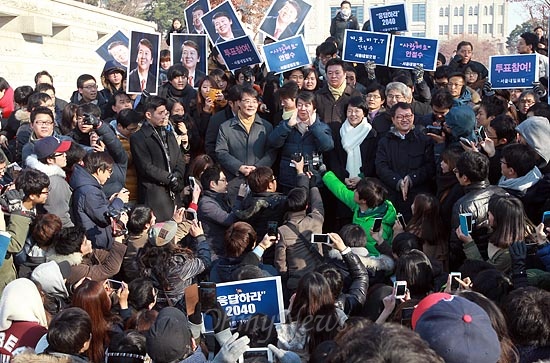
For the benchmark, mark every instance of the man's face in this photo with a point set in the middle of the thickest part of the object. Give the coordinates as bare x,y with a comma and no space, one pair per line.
42,126
288,14
44,79
306,111
324,58
335,75
298,77
84,128
223,26
127,131
221,185
59,159
403,120
3,167
122,102
120,54
481,118
189,57
144,58
466,52
525,103
179,82
88,90
522,47
455,86
288,103
440,112
51,93
393,97
441,82
351,79
159,117
197,15
42,197
374,100
49,104
248,105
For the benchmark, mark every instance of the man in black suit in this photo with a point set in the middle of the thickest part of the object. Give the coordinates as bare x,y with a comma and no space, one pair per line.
141,78
281,26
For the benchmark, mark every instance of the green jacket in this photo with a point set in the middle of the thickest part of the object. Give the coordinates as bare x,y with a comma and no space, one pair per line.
501,259
18,228
386,211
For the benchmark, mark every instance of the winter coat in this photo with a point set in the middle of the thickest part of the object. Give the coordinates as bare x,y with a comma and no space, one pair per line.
501,259
331,110
317,139
338,26
28,148
154,170
90,206
114,147
18,228
185,96
59,192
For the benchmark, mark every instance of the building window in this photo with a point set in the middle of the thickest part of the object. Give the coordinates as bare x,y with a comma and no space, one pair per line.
441,30
485,10
441,12
456,11
501,10
500,28
475,28
471,10
419,12
419,34
476,10
458,29
447,10
470,28
491,10
461,11
490,30
484,28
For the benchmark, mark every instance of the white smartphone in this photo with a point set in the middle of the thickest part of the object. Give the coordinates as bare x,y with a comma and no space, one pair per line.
455,284
320,238
400,288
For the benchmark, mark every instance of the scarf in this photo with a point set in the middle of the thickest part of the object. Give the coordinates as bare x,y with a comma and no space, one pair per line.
301,127
337,92
352,137
521,183
247,122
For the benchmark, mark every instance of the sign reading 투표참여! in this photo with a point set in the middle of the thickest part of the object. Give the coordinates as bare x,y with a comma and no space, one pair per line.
239,52
513,71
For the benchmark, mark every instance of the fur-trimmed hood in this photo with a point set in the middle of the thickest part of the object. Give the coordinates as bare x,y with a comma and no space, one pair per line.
382,262
50,170
23,116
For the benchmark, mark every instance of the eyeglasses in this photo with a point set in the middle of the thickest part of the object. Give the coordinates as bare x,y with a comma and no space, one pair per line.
404,117
91,86
455,85
373,97
395,97
441,84
44,123
249,101
527,101
56,155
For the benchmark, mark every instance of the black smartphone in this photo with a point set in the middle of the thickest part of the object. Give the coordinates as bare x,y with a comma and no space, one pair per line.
532,248
272,228
192,182
207,295
401,219
320,238
114,284
406,315
190,215
455,284
464,141
377,225
482,134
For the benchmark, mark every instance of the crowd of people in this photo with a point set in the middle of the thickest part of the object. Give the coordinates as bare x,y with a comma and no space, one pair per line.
406,213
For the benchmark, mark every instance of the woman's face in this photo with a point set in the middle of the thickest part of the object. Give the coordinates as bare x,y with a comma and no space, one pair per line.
205,88
310,82
115,78
444,166
355,115
178,109
525,103
471,76
221,82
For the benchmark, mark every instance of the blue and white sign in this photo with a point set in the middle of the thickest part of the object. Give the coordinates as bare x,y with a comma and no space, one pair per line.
408,52
360,46
242,299
388,18
513,71
239,52
286,54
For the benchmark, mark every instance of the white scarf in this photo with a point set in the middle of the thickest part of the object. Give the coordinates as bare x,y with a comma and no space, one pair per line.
352,137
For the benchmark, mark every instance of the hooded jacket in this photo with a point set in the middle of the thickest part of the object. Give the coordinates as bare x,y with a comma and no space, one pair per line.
535,131
89,207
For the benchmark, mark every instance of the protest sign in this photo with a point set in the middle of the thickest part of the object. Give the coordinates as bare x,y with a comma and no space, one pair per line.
360,46
408,52
239,52
388,18
513,71
286,54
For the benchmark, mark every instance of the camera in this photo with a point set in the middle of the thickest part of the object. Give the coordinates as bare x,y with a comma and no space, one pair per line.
312,162
437,130
296,157
91,120
118,227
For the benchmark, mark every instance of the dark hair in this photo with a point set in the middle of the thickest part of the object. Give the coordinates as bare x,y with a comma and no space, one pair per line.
37,99
377,343
510,222
442,98
404,78
234,93
220,14
177,70
93,162
399,105
41,110
289,90
128,347
83,79
328,48
69,330
358,102
287,74
333,277
353,235
474,165
493,106
493,284
260,329
505,127
138,219
89,107
451,154
371,191
239,238
259,179
335,62
297,200
141,293
46,228
426,221
41,88
40,74
198,164
527,313
308,71
375,86
69,112
165,55
248,90
471,268
31,182
531,39
210,174
522,158
442,72
128,117
69,240
462,44
21,95
415,268
404,242
540,109
146,43
75,154
308,97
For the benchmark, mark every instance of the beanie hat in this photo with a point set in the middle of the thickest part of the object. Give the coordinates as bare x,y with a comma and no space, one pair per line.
169,338
163,233
535,131
112,66
50,145
461,120
459,330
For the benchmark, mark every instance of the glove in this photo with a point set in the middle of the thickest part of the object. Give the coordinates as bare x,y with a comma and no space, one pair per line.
418,72
518,253
370,67
12,201
232,349
457,58
174,182
220,321
91,120
539,89
284,356
195,321
487,89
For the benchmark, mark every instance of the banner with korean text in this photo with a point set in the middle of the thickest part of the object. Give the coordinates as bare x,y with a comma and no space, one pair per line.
388,18
360,46
408,52
513,71
286,54
239,52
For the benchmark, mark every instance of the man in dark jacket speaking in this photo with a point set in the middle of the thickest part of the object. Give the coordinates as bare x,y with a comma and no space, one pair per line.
158,160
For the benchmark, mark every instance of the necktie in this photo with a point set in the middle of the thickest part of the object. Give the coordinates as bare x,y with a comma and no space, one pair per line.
142,84
277,33
191,81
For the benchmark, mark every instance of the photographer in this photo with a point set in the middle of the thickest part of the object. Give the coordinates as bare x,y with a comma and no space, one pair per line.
90,208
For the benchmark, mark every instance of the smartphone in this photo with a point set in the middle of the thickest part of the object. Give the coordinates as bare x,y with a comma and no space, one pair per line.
114,284
482,134
464,141
401,219
455,284
207,295
190,215
272,228
320,238
546,219
406,315
465,223
400,288
192,182
257,355
191,294
377,225
532,248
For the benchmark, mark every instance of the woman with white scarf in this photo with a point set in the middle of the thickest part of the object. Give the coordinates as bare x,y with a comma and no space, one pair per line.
354,152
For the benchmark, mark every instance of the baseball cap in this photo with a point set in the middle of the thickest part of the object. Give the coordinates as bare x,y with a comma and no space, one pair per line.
50,145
